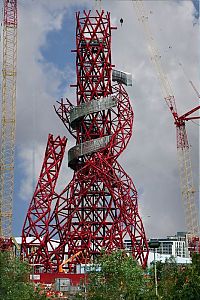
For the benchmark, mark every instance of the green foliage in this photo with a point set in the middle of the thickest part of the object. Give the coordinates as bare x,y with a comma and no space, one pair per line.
119,277
179,282
196,262
14,280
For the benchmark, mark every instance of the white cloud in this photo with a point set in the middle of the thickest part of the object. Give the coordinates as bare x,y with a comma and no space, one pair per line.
150,158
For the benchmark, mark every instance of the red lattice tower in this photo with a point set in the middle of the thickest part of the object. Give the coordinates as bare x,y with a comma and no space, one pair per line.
35,232
98,208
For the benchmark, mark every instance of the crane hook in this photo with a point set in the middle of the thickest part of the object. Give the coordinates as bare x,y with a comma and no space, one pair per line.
121,21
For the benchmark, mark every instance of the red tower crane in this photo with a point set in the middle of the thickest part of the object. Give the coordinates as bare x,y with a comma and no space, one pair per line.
183,147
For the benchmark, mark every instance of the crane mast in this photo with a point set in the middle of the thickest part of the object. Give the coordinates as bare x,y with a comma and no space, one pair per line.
183,148
8,117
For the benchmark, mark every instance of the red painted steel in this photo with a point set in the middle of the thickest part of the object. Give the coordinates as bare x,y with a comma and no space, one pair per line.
6,244
194,245
35,234
99,207
49,278
192,220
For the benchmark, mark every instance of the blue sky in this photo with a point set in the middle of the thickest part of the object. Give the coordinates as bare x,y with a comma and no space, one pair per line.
56,50
196,5
46,67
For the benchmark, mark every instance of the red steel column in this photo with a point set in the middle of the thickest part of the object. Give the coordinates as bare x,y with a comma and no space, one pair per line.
35,232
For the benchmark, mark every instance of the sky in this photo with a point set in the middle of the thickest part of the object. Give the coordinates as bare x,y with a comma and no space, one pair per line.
46,68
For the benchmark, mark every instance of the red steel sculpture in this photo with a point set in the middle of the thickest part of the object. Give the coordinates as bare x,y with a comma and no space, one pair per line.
98,209
35,234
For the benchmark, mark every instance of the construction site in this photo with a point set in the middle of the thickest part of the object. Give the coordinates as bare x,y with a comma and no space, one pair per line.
85,171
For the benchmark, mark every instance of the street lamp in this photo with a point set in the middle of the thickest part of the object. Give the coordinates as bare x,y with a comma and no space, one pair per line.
154,244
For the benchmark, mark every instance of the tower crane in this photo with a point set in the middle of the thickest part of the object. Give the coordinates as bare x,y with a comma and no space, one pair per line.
8,112
183,147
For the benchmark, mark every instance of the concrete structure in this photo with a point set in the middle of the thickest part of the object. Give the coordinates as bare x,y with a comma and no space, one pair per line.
164,257
174,245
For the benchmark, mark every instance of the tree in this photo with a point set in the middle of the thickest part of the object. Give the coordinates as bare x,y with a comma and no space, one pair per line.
196,262
179,282
14,280
117,276
187,286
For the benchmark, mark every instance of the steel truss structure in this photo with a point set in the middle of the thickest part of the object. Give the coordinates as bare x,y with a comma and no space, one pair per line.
98,209
35,234
188,193
8,120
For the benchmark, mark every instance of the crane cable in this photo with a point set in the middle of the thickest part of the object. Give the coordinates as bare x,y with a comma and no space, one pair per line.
185,165
166,85
195,123
97,5
180,64
155,55
34,142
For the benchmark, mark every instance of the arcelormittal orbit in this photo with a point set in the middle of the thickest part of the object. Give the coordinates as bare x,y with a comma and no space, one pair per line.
98,209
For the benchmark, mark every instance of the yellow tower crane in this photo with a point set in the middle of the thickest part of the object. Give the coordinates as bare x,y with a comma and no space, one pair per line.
183,148
8,120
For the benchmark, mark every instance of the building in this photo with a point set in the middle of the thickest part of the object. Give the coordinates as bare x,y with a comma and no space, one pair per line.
176,245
